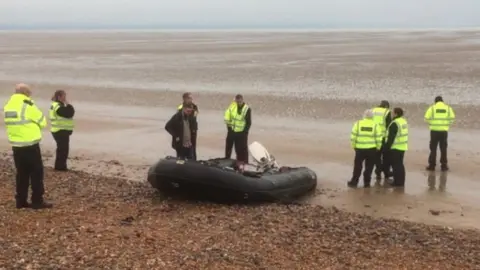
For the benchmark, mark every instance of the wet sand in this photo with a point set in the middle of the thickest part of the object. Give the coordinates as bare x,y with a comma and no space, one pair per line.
125,146
125,90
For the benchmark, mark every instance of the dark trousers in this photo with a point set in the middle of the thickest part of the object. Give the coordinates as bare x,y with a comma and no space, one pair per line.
229,142
386,162
381,163
396,159
369,157
62,138
241,146
194,146
29,165
184,152
438,138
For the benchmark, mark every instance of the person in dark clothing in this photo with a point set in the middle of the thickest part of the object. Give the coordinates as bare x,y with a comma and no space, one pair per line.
61,117
383,117
188,99
395,146
242,121
181,126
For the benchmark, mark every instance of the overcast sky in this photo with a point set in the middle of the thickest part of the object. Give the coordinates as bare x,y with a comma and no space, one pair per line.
225,13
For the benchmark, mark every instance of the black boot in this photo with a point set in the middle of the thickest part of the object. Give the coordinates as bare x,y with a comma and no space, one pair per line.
23,204
41,205
430,168
352,184
444,168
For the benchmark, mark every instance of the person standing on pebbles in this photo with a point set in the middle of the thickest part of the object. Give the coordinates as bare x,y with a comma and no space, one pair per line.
439,117
61,118
24,122
181,127
396,145
188,99
366,139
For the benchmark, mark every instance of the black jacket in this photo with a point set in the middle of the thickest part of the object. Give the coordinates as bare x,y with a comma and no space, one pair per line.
66,111
392,133
248,120
195,109
388,119
174,127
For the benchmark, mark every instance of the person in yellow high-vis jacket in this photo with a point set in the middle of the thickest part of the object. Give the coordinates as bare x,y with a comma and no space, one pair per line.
396,145
61,119
238,119
24,123
366,140
229,140
439,117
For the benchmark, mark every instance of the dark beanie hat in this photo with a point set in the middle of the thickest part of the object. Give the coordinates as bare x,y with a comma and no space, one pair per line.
438,99
384,104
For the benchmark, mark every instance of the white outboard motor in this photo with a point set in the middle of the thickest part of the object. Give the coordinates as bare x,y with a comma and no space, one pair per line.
263,160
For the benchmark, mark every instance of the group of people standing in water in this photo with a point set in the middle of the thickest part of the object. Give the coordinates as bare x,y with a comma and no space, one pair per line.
380,140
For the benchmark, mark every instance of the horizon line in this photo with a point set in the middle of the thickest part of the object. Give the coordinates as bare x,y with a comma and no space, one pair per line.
297,26
234,29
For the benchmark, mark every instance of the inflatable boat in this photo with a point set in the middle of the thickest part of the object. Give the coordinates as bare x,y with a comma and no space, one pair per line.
222,181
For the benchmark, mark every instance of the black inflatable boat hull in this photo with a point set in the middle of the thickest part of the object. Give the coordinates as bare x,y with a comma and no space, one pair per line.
216,180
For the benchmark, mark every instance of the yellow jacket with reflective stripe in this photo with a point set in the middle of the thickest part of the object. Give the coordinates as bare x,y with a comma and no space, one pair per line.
237,120
23,120
401,140
439,116
57,122
379,115
228,115
366,134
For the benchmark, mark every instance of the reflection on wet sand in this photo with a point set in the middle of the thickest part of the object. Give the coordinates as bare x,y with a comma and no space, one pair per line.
457,206
440,178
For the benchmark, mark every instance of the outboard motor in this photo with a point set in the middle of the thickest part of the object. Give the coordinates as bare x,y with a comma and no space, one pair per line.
263,160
